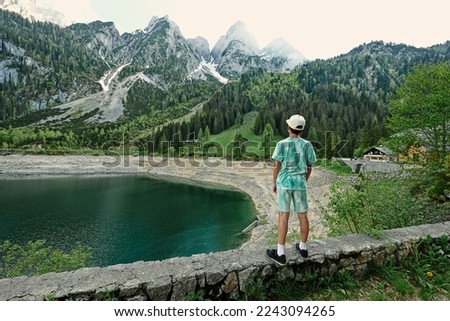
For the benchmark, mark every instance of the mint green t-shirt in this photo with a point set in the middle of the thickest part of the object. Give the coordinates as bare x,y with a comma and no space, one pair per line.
294,154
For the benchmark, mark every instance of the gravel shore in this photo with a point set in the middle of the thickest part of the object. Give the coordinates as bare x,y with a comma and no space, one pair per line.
253,178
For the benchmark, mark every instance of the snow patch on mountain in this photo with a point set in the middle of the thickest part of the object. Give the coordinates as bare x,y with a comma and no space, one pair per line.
207,68
106,80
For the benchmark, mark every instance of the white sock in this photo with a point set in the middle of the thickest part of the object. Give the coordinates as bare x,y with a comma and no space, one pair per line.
303,246
280,250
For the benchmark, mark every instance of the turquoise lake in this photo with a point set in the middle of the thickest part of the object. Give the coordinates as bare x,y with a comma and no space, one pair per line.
124,218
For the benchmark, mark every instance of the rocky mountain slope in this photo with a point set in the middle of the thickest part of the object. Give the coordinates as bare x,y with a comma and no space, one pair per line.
159,53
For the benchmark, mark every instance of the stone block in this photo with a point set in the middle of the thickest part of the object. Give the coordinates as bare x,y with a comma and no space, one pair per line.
345,262
130,288
214,277
183,287
159,289
107,293
246,276
363,257
230,283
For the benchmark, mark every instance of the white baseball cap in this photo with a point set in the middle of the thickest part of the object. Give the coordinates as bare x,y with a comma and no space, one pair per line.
296,122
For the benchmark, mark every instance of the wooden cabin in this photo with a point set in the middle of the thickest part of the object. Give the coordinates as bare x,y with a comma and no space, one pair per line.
380,154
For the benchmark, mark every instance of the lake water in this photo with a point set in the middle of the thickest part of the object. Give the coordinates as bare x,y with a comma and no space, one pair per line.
124,218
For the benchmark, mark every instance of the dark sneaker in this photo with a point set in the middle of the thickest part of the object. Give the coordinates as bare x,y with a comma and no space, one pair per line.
303,253
278,259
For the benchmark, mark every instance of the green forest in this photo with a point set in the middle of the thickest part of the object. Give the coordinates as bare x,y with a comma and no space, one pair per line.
51,63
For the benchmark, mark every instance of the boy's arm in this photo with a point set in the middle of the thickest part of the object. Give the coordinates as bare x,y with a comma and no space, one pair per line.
311,159
276,170
308,171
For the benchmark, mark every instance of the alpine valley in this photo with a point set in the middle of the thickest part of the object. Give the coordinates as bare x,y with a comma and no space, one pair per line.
66,87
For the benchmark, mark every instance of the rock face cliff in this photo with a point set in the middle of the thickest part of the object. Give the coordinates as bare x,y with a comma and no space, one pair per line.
167,57
238,52
102,38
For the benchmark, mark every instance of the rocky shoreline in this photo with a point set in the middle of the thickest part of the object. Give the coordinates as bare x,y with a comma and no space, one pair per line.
252,178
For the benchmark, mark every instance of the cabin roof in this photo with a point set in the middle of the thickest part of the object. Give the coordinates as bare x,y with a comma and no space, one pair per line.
380,149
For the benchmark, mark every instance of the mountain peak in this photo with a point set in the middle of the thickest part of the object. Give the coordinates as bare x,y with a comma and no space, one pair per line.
100,24
237,32
278,42
286,56
282,48
156,21
201,45
153,21
237,26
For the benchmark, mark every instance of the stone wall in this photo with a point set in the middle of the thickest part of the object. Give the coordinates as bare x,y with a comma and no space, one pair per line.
221,276
365,166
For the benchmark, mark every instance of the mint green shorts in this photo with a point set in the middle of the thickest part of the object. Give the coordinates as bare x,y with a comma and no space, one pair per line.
299,198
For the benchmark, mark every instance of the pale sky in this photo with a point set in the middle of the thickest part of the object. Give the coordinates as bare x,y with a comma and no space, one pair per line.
317,28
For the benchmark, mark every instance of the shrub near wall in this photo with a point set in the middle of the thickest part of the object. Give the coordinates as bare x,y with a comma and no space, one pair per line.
376,204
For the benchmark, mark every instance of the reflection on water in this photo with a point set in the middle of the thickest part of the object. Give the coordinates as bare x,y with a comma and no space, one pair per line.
123,218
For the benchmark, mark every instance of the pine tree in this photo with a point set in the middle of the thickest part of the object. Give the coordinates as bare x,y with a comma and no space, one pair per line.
206,134
267,141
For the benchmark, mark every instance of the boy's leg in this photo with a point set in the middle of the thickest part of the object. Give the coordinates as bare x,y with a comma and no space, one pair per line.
304,226
284,200
301,207
283,220
279,255
304,231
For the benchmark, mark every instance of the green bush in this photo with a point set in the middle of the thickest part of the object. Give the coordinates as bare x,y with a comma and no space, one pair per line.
434,181
374,205
35,258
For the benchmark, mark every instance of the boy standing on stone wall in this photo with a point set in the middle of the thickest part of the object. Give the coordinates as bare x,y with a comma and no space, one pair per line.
293,157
